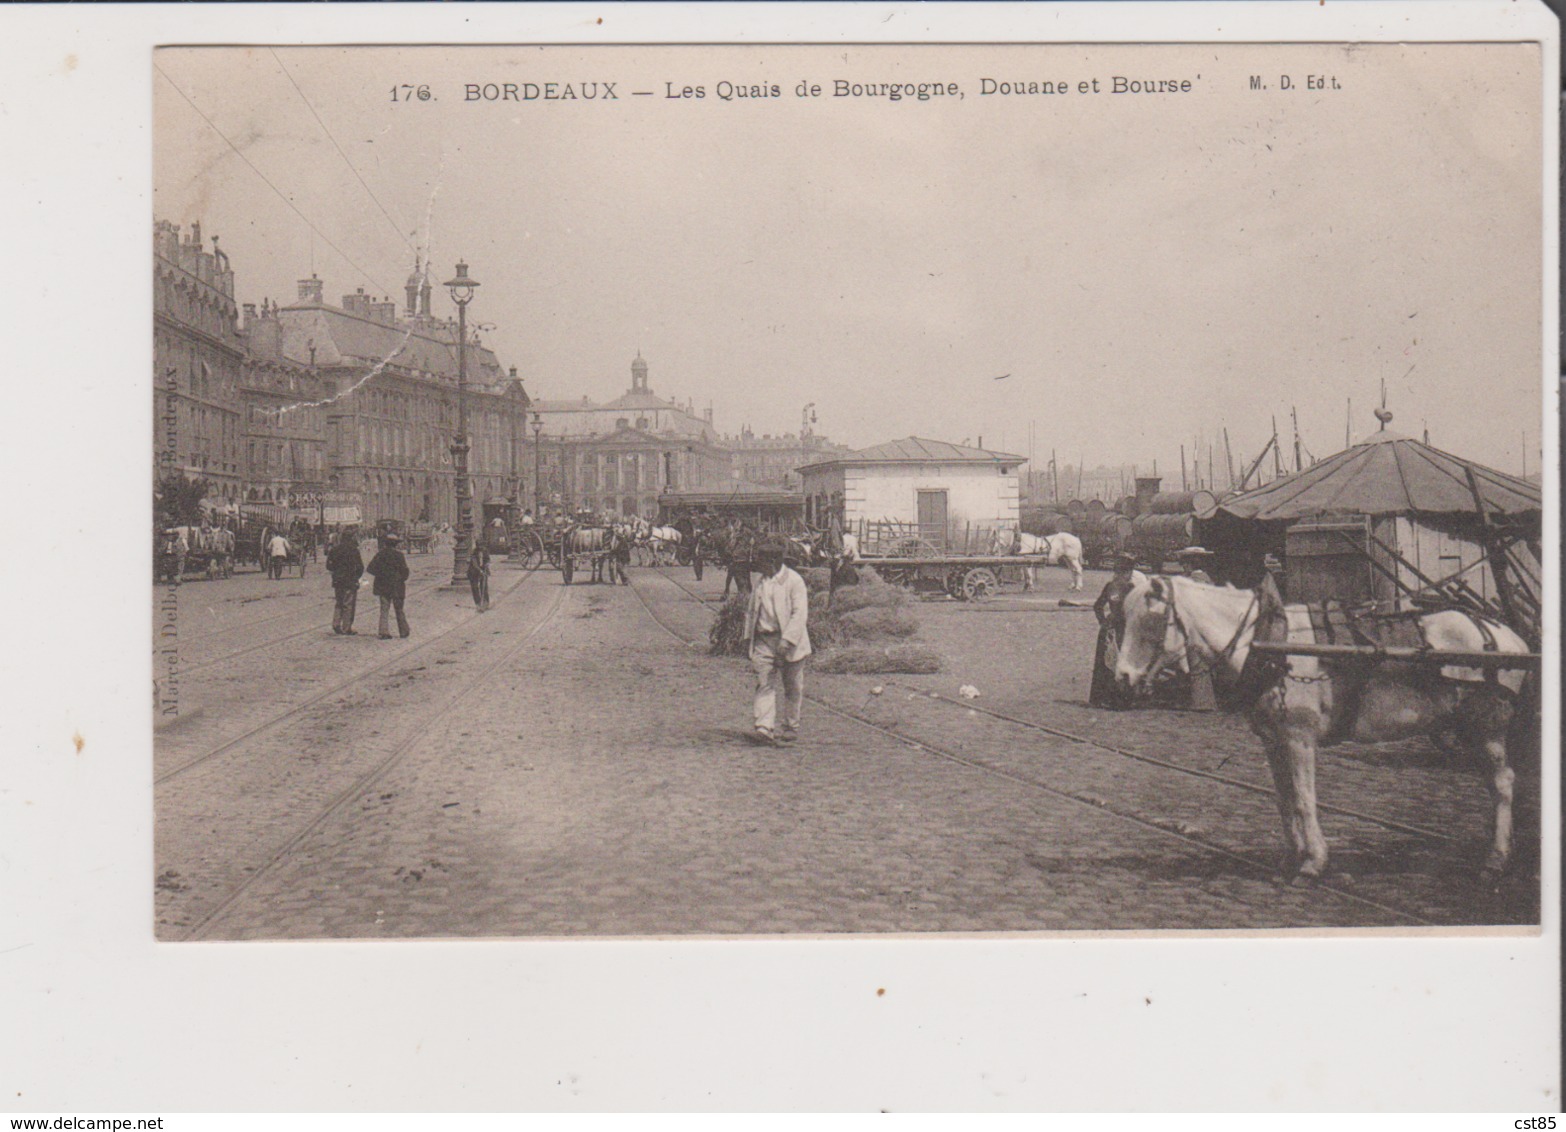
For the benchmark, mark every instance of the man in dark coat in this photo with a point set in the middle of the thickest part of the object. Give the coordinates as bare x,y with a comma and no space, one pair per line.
346,567
478,576
390,571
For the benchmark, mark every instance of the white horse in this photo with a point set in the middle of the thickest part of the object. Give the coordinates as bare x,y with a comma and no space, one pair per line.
663,542
1062,548
1312,701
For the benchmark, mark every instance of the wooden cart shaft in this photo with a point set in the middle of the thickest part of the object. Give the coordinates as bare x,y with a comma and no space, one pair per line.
1460,657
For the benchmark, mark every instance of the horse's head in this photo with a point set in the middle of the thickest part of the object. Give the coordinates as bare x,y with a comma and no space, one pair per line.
1154,638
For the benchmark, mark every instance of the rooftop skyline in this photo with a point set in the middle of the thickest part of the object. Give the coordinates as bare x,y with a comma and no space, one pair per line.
1105,276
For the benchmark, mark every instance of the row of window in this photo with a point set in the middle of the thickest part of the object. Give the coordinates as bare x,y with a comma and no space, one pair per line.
291,460
195,304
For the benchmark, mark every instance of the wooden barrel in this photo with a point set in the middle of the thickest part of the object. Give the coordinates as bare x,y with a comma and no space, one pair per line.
1103,536
1047,523
1074,507
1199,503
1095,506
1129,507
1155,538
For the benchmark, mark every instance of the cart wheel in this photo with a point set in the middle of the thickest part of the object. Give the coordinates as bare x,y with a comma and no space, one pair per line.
979,584
566,568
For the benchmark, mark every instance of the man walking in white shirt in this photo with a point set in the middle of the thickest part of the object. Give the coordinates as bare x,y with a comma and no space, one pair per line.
277,556
776,626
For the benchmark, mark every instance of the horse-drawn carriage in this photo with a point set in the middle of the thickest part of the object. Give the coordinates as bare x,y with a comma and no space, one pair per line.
419,538
300,547
590,549
183,550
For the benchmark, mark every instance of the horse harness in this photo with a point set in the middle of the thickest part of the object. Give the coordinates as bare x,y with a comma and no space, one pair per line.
1172,621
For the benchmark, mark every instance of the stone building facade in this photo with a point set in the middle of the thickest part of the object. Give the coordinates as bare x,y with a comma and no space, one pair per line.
284,418
392,409
198,355
620,456
774,461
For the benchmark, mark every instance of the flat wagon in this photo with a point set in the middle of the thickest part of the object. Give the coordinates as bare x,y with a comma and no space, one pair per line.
966,577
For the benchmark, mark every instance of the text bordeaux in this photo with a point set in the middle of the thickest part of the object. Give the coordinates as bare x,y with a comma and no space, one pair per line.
547,92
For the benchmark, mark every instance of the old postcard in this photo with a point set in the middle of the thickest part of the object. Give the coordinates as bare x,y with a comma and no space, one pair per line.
663,490
785,557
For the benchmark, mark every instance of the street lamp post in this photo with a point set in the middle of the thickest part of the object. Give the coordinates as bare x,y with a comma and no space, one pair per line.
538,463
462,289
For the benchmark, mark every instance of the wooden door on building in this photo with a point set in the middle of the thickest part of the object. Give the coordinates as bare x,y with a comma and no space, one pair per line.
1335,559
932,518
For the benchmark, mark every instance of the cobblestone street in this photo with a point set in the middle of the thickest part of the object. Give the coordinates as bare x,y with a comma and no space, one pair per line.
573,763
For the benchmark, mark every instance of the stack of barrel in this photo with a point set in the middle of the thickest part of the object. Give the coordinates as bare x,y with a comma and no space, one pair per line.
1165,522
1152,524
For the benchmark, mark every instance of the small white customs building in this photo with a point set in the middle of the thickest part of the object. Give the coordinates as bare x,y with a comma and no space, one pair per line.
950,497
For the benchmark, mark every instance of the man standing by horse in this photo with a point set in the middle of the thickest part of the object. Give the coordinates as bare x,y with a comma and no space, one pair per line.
346,566
776,626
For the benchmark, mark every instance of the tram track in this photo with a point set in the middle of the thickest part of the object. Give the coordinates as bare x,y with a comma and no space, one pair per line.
314,627
1168,829
330,691
409,741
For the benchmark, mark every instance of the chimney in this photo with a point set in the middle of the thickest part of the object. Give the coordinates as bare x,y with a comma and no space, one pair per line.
386,312
250,314
708,414
310,290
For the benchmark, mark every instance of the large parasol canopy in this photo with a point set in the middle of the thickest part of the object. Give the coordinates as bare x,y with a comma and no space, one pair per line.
1390,474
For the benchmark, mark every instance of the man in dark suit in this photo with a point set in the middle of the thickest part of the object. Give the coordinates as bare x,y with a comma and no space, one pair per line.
390,571
346,566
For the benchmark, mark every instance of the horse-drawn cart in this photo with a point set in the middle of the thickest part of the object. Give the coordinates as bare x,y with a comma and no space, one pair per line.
966,577
590,550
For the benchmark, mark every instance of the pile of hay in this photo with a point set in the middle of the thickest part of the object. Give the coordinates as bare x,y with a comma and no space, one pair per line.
856,629
726,637
875,622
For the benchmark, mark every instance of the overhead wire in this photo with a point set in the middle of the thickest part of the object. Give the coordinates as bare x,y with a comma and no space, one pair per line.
389,218
382,288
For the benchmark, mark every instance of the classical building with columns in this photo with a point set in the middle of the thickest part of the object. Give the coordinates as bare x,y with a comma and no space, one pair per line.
621,455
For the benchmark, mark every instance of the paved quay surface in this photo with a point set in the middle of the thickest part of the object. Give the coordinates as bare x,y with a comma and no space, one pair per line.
567,765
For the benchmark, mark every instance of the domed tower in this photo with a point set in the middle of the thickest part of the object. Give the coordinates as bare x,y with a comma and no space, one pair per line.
639,375
411,287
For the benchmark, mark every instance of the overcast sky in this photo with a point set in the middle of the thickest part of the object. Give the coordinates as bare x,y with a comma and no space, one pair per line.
1145,268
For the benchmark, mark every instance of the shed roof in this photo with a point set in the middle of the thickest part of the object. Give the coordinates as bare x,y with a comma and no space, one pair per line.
1388,474
918,450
